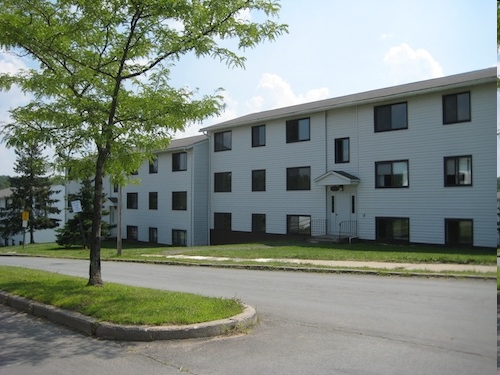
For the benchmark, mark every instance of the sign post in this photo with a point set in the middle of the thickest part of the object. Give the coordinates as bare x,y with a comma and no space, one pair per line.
25,216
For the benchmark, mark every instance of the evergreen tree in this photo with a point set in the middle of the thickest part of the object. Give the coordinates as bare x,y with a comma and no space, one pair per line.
32,192
78,230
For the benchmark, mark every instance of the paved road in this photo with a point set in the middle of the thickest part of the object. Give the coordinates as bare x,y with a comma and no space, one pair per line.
310,324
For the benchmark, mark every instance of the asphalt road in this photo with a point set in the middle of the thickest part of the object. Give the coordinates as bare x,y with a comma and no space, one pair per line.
309,324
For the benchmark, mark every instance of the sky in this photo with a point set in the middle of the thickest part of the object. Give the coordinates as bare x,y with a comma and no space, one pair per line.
333,48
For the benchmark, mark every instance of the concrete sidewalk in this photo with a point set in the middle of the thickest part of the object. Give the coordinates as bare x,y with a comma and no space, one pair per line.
431,267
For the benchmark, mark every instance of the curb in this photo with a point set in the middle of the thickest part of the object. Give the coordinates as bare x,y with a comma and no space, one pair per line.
110,331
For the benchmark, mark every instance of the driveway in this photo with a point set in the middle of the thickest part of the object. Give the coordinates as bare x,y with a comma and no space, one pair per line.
312,323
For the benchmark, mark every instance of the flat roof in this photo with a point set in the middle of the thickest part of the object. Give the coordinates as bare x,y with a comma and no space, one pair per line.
390,93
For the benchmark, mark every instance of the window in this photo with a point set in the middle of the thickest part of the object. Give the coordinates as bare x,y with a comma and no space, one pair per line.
222,141
297,130
179,200
115,188
222,221
456,108
258,136
353,204
222,182
153,200
392,229
259,223
342,150
298,178
179,237
153,165
458,171
296,224
333,203
391,174
458,232
179,161
259,180
153,235
132,232
391,117
132,201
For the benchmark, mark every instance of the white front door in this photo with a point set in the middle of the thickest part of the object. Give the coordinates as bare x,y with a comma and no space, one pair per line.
343,208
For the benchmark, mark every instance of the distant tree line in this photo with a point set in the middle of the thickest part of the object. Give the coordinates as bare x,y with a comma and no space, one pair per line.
4,182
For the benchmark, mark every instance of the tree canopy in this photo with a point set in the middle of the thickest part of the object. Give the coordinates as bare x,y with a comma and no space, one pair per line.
102,91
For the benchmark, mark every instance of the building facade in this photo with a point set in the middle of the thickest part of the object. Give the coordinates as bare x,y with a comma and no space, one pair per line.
412,163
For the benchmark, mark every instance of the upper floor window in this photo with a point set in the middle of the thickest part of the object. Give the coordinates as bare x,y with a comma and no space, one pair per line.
298,130
153,200
179,200
222,141
342,150
391,117
222,182
298,178
458,171
456,108
259,180
391,174
258,136
179,161
153,165
132,201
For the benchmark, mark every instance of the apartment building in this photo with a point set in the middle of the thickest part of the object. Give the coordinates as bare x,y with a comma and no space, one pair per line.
414,163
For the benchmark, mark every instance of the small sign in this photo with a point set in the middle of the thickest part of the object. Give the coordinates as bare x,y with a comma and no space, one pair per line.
25,215
25,223
76,206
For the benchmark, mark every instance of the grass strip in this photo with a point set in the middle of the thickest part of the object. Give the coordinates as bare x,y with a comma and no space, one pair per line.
116,303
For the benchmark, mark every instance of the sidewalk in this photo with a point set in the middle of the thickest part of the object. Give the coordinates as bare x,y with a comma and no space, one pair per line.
431,267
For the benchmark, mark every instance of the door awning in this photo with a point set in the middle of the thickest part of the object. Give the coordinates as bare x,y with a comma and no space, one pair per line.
332,178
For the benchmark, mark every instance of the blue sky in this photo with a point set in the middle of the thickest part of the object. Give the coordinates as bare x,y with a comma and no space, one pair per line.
333,48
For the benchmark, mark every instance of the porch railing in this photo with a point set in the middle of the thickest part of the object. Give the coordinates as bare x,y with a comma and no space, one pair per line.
348,228
319,227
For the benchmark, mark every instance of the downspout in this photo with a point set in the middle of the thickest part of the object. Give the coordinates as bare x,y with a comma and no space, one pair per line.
326,170
191,198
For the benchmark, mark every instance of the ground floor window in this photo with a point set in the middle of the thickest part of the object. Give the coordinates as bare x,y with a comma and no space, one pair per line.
298,224
153,235
392,229
458,232
132,232
222,220
179,237
259,223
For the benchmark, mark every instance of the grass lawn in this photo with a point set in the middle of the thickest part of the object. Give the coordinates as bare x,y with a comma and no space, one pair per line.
362,251
113,302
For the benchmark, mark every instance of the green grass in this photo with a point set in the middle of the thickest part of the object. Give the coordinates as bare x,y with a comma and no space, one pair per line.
362,251
113,302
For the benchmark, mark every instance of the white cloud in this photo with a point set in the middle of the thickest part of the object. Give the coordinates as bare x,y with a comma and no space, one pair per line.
409,65
386,36
11,64
274,92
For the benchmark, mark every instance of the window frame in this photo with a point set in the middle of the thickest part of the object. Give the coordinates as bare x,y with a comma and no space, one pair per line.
223,141
392,186
380,128
258,182
132,233
340,150
293,131
457,175
179,161
179,201
453,118
300,232
258,223
447,229
179,237
153,165
153,235
392,221
290,183
221,219
258,136
153,200
132,201
222,182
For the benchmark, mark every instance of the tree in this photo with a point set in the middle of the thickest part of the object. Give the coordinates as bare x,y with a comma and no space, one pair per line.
78,229
103,82
32,192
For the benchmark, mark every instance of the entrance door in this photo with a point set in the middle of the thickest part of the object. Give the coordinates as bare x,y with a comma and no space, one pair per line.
343,208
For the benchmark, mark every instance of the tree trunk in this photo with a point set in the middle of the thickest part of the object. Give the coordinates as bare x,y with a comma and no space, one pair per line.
95,242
